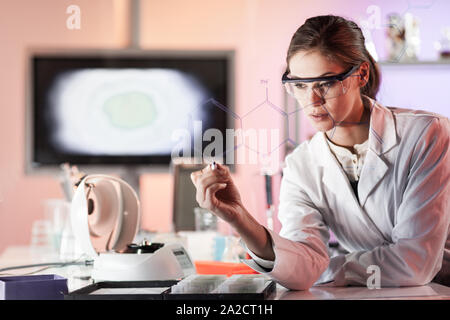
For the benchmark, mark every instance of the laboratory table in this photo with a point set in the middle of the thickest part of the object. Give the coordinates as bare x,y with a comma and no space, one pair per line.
76,275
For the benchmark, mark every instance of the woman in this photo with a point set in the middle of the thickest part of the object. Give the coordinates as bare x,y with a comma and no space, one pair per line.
376,176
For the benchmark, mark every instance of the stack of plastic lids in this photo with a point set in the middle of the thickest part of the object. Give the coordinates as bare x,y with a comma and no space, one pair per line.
243,283
198,284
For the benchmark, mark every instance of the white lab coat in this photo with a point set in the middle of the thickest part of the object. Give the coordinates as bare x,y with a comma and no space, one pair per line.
400,223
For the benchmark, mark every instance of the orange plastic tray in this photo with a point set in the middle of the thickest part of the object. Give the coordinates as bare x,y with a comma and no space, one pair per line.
227,268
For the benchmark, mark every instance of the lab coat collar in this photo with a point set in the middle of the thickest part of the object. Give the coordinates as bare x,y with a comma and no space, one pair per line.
382,138
382,134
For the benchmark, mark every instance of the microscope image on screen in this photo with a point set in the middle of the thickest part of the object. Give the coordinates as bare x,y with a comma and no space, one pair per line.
121,108
126,111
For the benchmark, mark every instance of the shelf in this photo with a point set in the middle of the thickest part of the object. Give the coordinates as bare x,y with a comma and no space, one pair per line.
415,63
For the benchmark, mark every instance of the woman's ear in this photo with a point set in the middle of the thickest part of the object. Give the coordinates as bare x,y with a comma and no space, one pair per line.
364,71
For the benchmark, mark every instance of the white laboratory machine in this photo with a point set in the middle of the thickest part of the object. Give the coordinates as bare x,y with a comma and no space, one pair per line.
105,216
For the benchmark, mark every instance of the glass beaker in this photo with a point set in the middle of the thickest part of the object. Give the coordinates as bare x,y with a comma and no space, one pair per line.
41,234
57,212
205,220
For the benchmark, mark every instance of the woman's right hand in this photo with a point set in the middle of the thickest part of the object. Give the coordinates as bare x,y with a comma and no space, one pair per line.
217,192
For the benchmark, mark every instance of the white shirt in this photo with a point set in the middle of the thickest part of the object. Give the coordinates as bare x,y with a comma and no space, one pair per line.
351,163
400,220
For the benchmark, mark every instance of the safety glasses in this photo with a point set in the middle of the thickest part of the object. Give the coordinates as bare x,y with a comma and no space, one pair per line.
323,87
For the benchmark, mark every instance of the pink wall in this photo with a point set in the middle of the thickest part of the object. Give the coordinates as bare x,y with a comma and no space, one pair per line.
259,31
25,24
